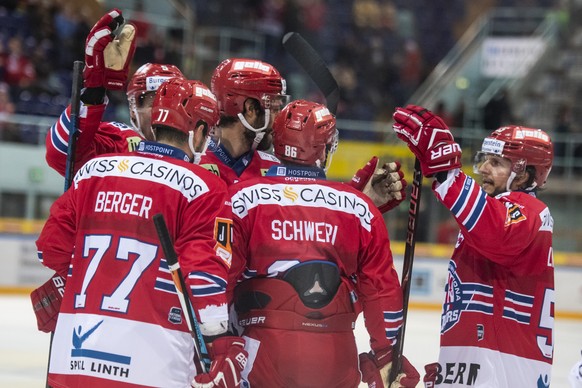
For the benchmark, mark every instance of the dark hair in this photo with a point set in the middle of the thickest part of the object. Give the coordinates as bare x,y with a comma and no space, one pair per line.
531,170
170,134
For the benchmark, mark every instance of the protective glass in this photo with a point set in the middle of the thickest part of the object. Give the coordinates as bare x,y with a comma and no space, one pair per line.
482,157
275,102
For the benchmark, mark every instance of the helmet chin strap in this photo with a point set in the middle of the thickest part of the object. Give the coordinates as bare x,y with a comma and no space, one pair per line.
197,154
512,176
259,132
136,123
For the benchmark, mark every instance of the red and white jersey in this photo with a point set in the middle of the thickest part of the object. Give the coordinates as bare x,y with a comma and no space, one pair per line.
498,312
286,220
95,137
250,165
121,322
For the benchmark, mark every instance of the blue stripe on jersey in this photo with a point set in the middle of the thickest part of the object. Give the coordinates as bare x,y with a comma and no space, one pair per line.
486,308
519,317
214,284
39,256
519,298
61,144
393,316
208,278
478,287
391,334
206,290
477,210
462,198
164,285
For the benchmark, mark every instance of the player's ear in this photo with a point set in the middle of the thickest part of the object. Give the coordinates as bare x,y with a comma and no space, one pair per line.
522,179
200,134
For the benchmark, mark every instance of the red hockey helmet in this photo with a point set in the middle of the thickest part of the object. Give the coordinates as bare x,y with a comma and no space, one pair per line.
182,103
149,77
236,79
305,133
524,147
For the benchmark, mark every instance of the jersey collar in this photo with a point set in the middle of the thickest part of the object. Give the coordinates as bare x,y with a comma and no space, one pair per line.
238,165
296,172
159,149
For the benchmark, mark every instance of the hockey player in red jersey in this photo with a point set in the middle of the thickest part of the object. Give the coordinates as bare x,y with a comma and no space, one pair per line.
250,95
310,255
97,137
120,322
498,313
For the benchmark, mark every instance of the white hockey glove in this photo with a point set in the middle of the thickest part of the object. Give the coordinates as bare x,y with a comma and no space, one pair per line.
385,186
376,367
107,57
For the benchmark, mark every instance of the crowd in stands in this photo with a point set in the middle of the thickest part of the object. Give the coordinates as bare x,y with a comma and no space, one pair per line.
379,50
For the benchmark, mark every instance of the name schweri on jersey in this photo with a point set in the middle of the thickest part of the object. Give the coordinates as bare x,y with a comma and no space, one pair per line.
301,195
302,230
134,167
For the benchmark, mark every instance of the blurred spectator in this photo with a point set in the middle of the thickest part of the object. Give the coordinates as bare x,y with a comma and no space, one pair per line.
19,72
8,131
497,112
441,110
562,127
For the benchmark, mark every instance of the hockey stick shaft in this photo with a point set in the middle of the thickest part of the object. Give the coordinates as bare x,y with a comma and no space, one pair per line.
70,161
413,220
181,289
314,66
74,131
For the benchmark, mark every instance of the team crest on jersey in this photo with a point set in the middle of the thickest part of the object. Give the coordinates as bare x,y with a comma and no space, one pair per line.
133,142
213,168
514,214
462,297
223,237
453,300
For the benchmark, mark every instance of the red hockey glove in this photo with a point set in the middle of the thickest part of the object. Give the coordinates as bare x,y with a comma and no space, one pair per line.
385,186
228,360
107,57
46,302
429,138
431,374
375,368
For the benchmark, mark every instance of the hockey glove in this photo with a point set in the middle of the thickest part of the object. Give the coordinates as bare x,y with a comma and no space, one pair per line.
385,186
46,302
107,57
375,368
228,360
429,138
431,374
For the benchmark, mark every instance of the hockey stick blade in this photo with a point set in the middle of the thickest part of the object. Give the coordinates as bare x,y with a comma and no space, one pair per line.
181,290
407,269
314,66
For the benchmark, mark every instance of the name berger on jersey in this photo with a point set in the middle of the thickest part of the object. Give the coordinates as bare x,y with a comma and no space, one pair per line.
134,167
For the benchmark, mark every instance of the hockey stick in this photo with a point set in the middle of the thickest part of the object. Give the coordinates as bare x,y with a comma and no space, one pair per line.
74,131
174,265
71,147
314,66
407,268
